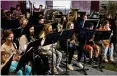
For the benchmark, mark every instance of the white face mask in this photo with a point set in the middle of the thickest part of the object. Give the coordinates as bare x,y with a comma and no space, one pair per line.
72,26
108,28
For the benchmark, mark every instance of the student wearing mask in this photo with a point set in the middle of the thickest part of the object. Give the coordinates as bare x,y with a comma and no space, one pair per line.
106,43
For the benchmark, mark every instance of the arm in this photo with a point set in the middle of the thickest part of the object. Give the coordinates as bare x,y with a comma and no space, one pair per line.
3,56
106,42
22,43
7,60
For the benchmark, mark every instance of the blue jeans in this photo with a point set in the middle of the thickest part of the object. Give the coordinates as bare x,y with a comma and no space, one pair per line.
57,56
110,50
20,72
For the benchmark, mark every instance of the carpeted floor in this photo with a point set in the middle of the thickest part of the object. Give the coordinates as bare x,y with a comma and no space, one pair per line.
109,68
112,67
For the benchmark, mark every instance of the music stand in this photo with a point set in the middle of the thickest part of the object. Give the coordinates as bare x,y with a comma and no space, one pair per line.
64,36
101,35
59,16
6,67
94,21
51,39
84,35
54,37
81,12
28,55
94,14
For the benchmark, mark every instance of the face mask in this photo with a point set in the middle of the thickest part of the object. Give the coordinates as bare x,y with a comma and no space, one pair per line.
108,28
72,26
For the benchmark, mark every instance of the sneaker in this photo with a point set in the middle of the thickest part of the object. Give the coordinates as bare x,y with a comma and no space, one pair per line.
48,72
111,59
59,69
90,61
75,57
69,66
55,71
79,65
95,59
105,59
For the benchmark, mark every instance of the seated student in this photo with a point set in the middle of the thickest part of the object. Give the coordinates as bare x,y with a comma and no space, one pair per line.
57,55
23,23
64,21
27,37
91,47
9,48
18,11
39,26
40,9
20,30
72,47
106,43
59,25
22,40
28,17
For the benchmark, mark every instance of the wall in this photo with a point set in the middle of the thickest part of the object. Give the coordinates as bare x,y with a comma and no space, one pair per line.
7,4
49,4
95,5
82,5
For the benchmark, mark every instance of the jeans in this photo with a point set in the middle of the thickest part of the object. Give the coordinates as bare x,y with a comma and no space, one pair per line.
110,50
57,56
20,72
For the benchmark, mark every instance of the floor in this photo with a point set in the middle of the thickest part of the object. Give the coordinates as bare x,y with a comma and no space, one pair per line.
91,71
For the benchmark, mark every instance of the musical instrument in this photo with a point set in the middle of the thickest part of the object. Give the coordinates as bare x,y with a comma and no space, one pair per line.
49,14
74,14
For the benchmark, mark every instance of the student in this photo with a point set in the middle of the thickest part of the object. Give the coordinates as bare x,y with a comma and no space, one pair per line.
9,48
48,48
72,47
106,43
18,11
91,47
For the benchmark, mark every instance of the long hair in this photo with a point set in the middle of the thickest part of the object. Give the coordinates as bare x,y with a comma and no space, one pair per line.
44,32
22,19
68,24
5,35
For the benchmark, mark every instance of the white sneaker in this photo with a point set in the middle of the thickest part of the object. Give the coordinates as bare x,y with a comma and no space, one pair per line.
55,71
79,65
59,69
69,66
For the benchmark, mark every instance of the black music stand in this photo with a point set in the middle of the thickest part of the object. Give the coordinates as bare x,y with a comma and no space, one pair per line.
64,36
84,36
28,55
54,37
101,35
51,39
94,21
6,67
